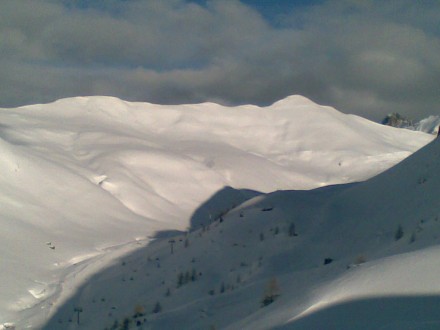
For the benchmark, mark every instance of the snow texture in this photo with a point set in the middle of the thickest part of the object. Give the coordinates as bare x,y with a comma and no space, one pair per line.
88,182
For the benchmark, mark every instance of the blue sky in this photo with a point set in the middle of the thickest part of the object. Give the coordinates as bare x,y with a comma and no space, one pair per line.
364,57
273,10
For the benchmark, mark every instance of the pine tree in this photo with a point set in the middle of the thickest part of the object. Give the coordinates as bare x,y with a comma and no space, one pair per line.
157,308
180,279
193,275
399,233
126,324
292,230
412,238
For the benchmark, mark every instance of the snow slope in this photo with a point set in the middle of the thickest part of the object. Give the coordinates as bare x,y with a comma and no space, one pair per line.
346,265
87,179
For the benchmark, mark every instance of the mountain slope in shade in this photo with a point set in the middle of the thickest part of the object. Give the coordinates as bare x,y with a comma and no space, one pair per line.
86,179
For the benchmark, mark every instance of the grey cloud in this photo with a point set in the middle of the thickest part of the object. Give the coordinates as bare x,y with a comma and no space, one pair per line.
375,62
368,58
162,35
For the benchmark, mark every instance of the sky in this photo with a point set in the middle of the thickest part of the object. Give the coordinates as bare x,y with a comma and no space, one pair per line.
368,58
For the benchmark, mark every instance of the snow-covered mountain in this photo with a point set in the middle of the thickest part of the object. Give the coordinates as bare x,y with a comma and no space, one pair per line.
354,256
397,120
428,125
86,180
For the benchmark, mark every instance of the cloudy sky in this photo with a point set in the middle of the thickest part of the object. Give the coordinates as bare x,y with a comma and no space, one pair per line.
363,57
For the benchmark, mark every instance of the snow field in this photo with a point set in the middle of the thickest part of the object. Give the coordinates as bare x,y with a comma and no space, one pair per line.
81,175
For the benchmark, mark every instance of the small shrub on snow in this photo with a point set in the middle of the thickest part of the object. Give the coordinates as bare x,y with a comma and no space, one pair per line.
328,261
139,311
272,292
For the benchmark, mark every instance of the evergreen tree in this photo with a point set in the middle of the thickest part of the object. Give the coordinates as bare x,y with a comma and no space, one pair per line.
193,275
187,277
292,230
399,233
126,324
180,279
157,308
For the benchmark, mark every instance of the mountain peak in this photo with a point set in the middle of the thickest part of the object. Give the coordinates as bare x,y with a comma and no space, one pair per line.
428,125
294,100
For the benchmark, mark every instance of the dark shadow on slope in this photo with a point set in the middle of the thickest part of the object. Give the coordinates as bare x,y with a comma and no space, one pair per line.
226,199
378,313
166,234
7,134
212,209
216,206
219,204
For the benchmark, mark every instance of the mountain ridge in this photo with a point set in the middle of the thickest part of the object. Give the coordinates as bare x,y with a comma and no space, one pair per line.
428,125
